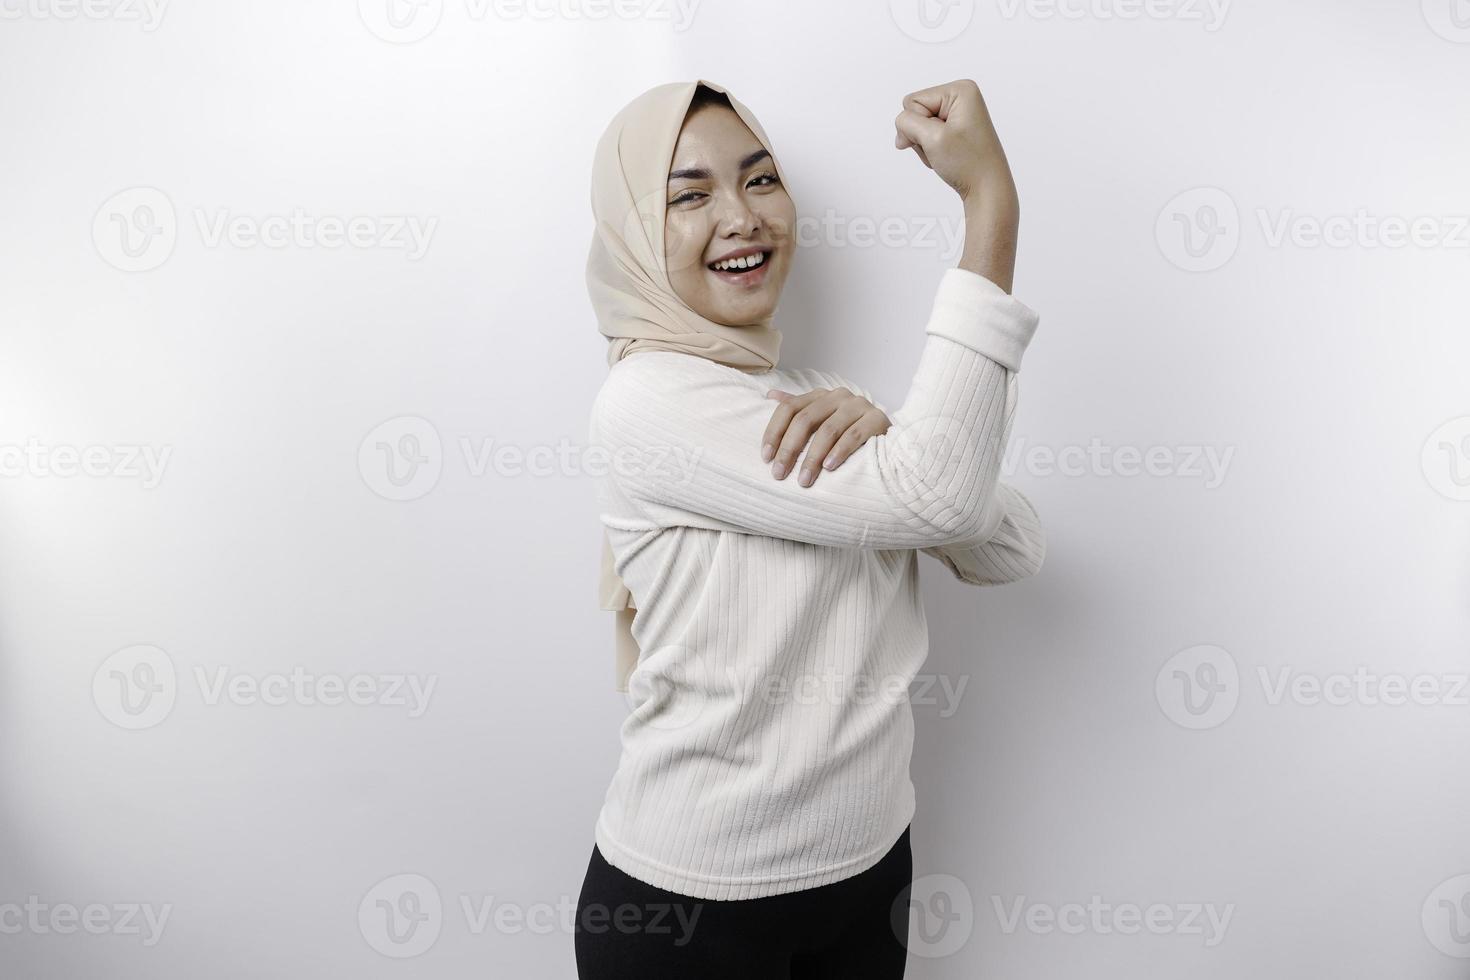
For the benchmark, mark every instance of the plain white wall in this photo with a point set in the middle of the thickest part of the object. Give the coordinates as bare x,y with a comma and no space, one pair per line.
1324,545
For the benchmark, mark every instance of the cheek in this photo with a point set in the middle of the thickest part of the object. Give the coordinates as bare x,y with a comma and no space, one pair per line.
780,218
684,241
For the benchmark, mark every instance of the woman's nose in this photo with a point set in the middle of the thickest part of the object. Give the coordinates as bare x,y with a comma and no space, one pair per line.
737,218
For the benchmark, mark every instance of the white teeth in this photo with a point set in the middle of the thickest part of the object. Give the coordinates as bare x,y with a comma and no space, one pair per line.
736,265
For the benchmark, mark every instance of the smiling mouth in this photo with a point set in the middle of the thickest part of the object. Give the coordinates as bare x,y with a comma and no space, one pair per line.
747,270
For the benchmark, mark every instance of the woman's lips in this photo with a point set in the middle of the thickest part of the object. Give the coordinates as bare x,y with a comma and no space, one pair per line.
745,277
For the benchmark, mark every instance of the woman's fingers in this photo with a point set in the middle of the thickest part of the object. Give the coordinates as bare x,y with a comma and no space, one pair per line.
872,422
831,423
842,410
793,422
780,419
815,420
950,128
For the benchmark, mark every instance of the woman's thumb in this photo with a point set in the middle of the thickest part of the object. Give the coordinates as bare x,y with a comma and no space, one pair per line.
914,129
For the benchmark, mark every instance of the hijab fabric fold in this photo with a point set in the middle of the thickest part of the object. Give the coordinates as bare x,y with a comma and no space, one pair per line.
628,279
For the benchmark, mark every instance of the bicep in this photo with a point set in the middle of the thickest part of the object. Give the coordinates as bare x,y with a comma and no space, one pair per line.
686,438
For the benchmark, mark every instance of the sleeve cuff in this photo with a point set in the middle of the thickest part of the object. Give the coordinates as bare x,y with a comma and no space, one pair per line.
971,310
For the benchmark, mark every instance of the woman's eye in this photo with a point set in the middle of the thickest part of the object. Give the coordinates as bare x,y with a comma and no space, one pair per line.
759,180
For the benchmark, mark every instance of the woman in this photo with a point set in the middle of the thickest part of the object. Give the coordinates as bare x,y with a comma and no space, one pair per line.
758,822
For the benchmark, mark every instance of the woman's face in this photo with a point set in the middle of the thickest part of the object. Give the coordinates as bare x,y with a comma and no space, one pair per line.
725,199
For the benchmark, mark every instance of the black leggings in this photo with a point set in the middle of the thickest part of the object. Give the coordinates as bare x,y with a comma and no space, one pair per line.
853,929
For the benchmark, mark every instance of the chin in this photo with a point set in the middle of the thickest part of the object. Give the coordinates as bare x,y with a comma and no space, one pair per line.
745,314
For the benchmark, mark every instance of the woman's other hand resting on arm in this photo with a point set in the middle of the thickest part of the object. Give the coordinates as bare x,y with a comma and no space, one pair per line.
950,129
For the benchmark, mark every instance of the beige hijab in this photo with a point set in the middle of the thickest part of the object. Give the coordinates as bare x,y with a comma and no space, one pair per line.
628,278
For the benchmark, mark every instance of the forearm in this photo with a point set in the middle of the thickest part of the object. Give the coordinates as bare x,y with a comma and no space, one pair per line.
1014,551
992,222
687,433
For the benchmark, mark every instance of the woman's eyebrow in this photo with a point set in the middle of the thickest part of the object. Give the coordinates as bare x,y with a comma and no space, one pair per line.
699,173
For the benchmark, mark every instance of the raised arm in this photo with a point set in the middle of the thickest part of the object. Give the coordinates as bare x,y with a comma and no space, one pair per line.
684,434
1017,547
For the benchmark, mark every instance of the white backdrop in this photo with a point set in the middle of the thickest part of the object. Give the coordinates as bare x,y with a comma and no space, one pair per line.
298,562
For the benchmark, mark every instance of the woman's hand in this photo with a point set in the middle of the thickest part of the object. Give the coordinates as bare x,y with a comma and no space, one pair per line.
835,420
950,129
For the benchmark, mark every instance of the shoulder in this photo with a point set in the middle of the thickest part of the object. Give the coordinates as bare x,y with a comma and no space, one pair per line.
660,381
662,372
809,378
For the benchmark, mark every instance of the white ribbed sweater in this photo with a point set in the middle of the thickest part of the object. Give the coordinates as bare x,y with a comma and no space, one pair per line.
769,741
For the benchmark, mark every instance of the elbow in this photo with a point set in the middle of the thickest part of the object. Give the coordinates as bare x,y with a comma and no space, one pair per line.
974,517
1019,554
1030,547
1019,562
1028,544
1030,558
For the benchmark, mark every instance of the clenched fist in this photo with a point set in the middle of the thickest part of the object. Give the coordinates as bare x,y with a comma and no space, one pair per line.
949,127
